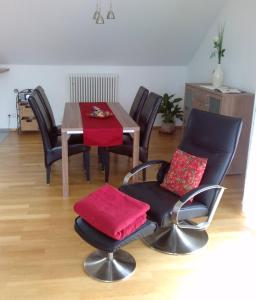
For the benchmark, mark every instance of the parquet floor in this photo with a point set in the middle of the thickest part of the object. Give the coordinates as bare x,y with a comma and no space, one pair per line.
41,255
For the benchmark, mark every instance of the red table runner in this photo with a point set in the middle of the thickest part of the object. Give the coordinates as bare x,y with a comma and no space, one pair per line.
102,132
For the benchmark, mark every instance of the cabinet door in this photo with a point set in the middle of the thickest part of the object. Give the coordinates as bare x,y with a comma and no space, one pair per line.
202,104
200,100
214,104
187,103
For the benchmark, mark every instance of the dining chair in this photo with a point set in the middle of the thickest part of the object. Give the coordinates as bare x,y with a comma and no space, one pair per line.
138,103
207,135
51,141
75,138
146,121
134,113
45,102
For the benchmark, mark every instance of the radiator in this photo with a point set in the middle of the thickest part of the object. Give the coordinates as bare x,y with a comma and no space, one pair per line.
93,87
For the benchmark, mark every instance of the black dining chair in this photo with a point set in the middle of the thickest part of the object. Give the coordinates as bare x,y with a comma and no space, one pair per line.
206,135
74,138
51,140
48,109
146,121
134,113
138,103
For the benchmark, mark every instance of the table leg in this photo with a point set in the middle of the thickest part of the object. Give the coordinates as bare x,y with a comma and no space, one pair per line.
65,184
135,156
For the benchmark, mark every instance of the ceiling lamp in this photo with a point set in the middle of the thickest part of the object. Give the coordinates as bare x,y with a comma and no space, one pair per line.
97,12
98,16
111,15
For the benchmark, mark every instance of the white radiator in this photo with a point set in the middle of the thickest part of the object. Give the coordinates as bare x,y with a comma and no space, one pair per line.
93,87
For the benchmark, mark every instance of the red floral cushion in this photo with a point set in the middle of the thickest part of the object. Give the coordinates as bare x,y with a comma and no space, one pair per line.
185,173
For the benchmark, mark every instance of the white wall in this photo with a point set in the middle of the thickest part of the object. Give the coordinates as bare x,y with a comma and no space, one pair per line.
54,79
239,63
249,203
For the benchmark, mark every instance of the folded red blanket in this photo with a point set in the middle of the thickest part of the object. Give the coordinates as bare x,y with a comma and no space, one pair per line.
112,212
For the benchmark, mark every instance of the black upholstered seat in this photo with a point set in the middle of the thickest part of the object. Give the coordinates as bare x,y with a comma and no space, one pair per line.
207,135
103,242
51,139
151,191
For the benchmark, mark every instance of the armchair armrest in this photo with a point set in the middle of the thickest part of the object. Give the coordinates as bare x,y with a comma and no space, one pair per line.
184,199
140,167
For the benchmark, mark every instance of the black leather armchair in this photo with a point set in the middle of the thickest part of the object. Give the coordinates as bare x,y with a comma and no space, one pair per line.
206,135
51,140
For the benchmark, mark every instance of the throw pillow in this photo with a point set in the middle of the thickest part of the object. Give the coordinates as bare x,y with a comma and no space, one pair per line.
185,173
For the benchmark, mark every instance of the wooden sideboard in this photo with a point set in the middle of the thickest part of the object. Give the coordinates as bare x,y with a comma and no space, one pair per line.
235,105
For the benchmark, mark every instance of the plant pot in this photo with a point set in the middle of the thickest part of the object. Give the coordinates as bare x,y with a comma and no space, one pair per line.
167,128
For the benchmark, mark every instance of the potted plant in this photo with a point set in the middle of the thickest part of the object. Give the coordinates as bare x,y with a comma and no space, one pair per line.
170,111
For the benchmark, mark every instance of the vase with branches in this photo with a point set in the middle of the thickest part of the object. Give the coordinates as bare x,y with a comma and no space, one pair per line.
219,51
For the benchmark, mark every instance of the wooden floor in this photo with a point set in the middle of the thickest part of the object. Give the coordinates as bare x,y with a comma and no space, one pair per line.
41,255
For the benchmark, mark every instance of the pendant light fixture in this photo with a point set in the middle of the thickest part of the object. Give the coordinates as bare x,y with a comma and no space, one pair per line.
111,15
99,19
97,13
98,16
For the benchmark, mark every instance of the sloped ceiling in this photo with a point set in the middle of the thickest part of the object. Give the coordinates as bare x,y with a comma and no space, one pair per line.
62,32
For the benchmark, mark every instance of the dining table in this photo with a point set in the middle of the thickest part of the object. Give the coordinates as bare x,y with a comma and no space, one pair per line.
72,124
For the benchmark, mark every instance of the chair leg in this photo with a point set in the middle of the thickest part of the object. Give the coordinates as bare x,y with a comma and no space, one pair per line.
144,174
100,157
48,174
86,158
105,160
176,240
110,267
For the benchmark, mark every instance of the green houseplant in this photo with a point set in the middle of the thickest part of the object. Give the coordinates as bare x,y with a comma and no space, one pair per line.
170,111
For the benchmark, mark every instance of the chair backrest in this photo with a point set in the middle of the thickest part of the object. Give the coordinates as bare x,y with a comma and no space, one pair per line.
214,137
138,103
41,93
48,133
147,117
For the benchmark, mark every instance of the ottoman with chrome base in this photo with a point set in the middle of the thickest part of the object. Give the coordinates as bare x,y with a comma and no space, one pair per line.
109,263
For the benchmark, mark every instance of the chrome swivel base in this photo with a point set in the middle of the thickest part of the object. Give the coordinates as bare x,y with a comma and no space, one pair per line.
109,267
175,240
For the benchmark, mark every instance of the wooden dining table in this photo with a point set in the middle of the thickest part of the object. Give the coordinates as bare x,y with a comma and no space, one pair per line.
72,124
